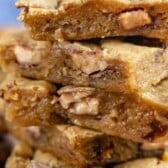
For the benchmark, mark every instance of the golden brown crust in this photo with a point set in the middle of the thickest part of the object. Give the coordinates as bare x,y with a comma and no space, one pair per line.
51,20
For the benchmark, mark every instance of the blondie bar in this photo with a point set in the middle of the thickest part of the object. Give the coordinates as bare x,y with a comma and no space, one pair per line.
33,102
78,145
24,156
113,65
87,19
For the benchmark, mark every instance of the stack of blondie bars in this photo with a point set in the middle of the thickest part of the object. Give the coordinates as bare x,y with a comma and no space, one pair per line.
87,84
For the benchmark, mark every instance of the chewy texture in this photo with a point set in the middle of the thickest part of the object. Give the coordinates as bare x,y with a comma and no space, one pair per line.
79,146
112,65
23,156
87,19
144,163
32,102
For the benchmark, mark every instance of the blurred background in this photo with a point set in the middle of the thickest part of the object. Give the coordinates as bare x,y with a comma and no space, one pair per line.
8,13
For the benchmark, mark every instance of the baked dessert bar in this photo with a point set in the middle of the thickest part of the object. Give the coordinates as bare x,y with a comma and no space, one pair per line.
33,102
23,156
147,162
108,64
78,145
78,19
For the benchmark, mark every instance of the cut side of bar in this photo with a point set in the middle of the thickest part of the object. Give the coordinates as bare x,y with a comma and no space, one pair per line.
78,145
33,102
78,20
112,65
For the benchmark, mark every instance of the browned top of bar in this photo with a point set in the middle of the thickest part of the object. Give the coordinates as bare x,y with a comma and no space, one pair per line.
63,4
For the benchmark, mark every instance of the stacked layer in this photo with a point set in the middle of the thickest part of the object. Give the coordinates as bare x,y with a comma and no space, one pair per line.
24,156
95,103
78,20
